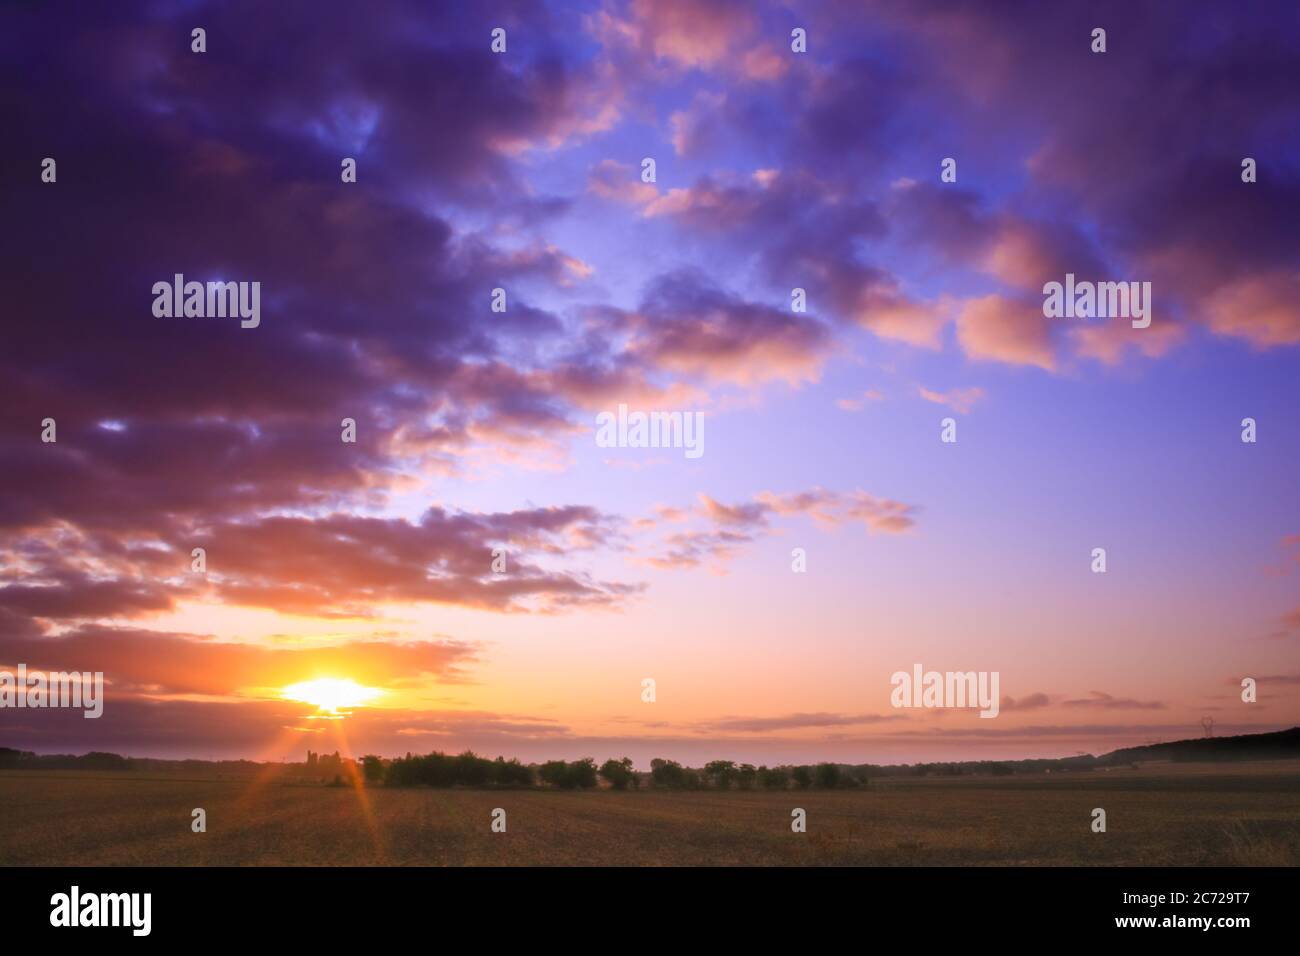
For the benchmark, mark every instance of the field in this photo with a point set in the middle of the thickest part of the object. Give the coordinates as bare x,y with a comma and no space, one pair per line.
1173,814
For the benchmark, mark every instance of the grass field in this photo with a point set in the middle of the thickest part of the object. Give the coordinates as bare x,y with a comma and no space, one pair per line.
1178,814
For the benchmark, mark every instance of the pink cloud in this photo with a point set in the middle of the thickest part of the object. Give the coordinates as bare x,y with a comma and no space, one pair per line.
997,329
960,400
1262,309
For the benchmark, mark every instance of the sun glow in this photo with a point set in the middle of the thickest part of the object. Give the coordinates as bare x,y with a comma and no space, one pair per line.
330,694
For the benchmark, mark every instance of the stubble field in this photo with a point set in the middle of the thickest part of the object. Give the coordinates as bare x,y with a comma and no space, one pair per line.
1180,815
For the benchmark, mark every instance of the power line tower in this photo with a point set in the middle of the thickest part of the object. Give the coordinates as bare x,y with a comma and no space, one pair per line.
1208,724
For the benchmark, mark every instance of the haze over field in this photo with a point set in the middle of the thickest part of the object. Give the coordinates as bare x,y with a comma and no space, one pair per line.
349,599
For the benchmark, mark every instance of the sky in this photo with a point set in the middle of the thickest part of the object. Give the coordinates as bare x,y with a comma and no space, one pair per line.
775,169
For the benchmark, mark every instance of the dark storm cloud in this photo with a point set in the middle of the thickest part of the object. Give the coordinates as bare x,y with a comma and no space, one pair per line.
225,166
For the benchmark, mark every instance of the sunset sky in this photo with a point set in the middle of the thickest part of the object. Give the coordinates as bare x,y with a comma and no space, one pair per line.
371,562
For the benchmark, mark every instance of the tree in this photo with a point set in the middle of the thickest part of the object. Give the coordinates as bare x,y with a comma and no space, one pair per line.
828,776
858,776
581,773
667,774
773,778
552,772
373,768
569,776
12,759
619,773
721,772
472,770
510,773
802,777
746,774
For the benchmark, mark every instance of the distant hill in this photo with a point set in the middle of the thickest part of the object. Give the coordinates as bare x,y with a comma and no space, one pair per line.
1274,746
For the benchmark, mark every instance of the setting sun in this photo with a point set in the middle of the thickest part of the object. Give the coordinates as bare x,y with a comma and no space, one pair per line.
330,694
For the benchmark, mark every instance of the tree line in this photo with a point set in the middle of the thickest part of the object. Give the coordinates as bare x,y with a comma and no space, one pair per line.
470,770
